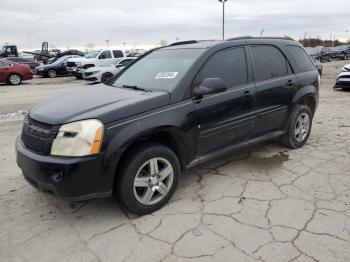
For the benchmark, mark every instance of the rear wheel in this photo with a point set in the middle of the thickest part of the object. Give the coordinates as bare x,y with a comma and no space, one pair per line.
299,127
106,76
51,73
14,79
149,179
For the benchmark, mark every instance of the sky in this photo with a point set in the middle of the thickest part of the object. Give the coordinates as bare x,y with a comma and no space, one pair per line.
144,23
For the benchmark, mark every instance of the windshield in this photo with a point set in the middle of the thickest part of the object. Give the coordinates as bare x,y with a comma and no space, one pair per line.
160,70
92,54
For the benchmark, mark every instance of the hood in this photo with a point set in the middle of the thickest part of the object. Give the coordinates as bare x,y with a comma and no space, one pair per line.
347,67
98,68
103,102
343,74
76,59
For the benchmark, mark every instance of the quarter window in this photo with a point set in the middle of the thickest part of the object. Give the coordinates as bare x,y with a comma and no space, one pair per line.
302,60
269,62
229,65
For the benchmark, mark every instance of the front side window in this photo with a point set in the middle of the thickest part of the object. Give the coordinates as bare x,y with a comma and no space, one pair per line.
4,64
160,70
269,62
105,55
230,65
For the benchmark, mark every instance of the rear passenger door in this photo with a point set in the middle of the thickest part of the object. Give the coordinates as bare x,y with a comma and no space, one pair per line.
275,86
225,118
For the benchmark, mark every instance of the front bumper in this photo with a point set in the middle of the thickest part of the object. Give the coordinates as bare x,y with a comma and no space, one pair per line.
74,179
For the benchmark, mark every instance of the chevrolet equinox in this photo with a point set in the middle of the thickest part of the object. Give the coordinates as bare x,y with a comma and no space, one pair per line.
173,108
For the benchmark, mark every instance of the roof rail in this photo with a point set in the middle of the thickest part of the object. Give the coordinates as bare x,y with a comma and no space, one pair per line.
262,37
184,42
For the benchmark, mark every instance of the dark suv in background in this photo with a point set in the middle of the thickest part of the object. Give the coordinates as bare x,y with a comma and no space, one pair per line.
172,109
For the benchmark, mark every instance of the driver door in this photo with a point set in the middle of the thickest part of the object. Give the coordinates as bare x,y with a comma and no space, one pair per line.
226,118
106,58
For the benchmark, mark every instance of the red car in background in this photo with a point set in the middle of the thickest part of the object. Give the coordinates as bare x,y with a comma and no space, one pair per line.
13,73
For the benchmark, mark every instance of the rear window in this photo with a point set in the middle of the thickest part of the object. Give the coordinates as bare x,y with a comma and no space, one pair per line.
269,62
302,60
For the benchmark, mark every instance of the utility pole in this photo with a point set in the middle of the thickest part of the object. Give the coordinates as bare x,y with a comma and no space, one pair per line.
107,41
223,18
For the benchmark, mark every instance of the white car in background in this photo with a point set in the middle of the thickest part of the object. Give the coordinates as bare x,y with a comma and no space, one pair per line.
104,73
106,57
343,78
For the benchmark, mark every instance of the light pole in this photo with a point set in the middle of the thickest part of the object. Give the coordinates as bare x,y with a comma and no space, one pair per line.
223,18
107,41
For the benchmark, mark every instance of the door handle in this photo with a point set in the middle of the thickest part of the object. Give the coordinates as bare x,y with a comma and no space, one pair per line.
246,95
291,82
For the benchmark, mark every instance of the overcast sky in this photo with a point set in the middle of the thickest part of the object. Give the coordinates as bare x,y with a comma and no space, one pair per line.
141,23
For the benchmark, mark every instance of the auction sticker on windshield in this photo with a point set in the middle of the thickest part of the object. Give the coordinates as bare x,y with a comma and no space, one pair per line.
166,75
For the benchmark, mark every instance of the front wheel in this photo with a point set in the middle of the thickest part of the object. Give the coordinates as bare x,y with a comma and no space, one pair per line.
299,127
14,79
149,178
51,73
106,76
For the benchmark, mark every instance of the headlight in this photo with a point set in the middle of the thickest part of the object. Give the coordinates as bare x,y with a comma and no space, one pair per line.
80,138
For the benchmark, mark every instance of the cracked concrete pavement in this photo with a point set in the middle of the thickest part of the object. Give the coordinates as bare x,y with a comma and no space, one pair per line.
267,203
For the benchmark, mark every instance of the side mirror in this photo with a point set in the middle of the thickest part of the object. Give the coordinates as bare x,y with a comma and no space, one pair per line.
209,86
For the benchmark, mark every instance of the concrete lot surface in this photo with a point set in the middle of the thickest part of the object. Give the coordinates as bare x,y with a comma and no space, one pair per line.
265,204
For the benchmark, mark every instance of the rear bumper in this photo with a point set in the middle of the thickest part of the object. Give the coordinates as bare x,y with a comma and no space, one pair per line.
74,179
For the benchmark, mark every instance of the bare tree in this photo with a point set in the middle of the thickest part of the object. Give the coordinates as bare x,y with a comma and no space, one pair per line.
163,43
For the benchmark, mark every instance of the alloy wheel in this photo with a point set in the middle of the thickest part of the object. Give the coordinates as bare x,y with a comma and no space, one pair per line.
15,79
153,181
302,127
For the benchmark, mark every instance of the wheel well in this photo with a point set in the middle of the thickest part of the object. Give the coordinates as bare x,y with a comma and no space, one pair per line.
310,102
166,138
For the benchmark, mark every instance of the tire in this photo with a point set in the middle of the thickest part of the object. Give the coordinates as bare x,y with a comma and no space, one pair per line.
106,76
154,189
14,79
291,138
51,73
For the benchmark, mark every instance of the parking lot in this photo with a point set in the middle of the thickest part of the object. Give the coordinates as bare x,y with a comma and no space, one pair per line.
265,204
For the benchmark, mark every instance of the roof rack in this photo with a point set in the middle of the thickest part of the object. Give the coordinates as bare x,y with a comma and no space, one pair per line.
262,37
184,43
188,42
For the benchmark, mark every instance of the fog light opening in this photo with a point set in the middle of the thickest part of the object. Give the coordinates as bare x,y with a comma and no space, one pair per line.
57,176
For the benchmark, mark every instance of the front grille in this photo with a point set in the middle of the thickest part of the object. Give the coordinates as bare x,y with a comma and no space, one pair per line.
71,64
37,136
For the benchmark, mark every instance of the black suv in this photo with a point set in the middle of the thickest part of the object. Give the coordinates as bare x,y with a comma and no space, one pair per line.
172,109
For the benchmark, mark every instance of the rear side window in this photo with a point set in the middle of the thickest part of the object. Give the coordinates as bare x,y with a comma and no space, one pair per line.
117,53
302,60
269,62
229,65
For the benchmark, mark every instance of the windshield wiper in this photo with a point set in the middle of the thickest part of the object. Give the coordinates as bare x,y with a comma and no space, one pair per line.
135,88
